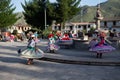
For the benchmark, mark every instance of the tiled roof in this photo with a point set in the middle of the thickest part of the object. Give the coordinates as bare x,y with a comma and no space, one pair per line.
111,19
81,23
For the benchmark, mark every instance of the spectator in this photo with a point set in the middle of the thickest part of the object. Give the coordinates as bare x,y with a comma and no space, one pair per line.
80,34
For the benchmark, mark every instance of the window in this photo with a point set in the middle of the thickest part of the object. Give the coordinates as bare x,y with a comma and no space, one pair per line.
88,26
114,23
79,26
71,27
18,27
84,27
59,27
105,23
25,28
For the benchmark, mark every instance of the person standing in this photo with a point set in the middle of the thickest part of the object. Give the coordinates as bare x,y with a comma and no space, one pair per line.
80,35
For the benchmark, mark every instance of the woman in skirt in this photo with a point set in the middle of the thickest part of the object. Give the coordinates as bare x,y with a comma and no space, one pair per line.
99,46
52,45
32,52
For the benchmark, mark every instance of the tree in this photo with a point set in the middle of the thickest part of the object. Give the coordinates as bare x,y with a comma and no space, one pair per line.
60,11
66,9
7,17
34,13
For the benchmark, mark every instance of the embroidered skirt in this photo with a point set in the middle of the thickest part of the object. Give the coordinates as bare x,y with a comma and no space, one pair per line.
102,49
31,53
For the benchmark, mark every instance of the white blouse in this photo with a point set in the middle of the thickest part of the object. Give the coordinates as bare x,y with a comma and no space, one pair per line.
32,43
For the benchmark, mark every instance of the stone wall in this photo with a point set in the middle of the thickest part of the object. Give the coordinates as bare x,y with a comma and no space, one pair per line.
80,44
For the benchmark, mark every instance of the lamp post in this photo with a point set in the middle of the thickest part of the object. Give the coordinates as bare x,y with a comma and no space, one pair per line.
81,13
45,13
45,18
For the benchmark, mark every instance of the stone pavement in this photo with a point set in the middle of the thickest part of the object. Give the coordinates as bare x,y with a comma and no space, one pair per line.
75,56
12,67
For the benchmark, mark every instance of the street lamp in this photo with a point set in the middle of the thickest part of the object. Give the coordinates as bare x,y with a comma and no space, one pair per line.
81,13
45,13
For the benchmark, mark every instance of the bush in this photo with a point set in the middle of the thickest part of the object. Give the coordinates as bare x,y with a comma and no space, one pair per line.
46,32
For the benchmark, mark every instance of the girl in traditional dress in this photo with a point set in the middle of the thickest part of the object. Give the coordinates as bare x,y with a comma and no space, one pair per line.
93,42
52,46
12,38
100,46
66,40
32,52
65,37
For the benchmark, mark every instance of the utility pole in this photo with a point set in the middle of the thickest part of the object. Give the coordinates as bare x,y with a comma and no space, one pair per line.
81,13
45,18
45,13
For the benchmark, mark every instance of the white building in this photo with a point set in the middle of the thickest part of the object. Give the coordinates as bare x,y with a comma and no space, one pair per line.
76,26
86,26
111,23
106,24
20,28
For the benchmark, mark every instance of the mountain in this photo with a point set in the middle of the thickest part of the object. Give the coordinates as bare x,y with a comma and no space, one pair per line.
21,20
110,8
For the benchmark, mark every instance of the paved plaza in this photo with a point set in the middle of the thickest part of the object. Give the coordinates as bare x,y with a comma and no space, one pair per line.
12,67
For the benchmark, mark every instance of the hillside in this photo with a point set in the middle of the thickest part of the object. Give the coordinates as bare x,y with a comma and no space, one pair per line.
21,20
110,8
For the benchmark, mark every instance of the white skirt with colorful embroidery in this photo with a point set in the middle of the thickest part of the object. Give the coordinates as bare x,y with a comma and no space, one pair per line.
31,53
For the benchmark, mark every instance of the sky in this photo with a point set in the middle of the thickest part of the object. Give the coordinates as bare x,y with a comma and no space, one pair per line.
17,3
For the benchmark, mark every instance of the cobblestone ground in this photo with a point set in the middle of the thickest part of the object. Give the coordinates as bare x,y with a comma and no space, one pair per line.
13,67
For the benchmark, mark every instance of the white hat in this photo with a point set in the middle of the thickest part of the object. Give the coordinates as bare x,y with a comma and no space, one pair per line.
96,31
32,35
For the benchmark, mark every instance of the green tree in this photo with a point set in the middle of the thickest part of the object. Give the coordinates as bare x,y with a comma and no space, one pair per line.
34,13
60,11
66,9
7,17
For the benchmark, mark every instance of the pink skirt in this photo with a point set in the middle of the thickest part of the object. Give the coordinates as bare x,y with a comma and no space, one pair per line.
102,49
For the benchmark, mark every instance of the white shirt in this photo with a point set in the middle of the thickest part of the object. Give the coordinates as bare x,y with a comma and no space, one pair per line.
32,43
